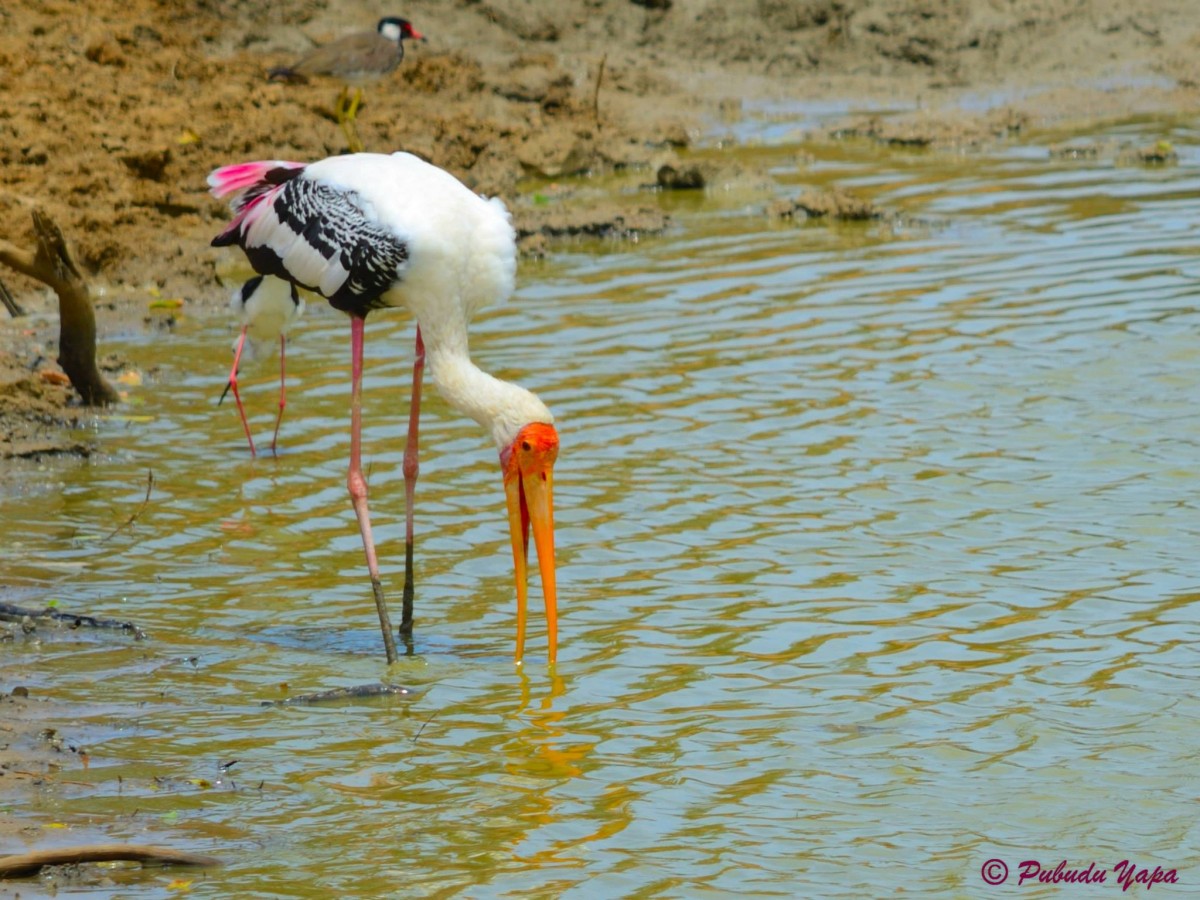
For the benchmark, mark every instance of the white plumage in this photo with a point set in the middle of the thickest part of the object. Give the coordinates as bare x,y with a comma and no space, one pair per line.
266,306
460,246
412,231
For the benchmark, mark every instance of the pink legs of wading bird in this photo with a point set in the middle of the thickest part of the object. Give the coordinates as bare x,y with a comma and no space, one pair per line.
267,307
411,467
357,485
368,232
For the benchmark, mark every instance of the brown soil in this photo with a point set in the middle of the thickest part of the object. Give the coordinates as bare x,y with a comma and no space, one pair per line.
112,114
115,112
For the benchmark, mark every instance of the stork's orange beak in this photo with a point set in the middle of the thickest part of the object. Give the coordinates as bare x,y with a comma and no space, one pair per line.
529,490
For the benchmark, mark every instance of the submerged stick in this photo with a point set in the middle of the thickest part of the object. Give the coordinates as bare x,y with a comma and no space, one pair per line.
356,692
137,512
11,613
25,864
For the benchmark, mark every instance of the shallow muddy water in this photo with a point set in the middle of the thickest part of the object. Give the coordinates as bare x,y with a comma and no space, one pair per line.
877,561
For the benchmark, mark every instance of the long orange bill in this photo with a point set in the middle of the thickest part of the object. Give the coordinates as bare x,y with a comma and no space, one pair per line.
531,502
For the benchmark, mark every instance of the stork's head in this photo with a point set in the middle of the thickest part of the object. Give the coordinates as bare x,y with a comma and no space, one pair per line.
528,464
523,430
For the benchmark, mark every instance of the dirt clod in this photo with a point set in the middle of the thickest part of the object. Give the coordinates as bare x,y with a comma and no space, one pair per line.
834,204
148,164
687,178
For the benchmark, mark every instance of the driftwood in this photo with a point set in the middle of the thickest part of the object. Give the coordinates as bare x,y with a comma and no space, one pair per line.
11,613
53,265
25,864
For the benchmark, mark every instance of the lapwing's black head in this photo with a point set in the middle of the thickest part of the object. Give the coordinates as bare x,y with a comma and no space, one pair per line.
396,29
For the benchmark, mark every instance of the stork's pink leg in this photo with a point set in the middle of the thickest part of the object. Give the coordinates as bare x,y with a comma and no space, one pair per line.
411,467
358,484
233,373
282,392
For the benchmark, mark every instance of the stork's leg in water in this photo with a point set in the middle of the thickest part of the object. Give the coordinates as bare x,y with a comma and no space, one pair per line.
411,467
358,484
346,110
232,384
282,391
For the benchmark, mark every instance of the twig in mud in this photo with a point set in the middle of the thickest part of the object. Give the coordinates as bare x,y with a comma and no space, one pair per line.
25,864
13,307
596,91
137,512
11,613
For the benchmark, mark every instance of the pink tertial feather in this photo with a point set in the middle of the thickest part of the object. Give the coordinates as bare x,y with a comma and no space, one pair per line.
249,187
237,179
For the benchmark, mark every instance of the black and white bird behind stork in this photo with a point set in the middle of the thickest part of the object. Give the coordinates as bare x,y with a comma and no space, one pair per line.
267,307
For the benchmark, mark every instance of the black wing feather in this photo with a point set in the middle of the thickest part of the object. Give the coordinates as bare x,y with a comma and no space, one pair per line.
332,224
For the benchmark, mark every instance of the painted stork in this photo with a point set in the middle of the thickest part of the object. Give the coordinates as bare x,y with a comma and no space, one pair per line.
267,306
368,231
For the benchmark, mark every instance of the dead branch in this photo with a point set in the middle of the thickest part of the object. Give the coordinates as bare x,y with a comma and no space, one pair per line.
25,864
53,265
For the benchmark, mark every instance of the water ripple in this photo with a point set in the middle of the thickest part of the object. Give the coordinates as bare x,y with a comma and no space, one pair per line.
874,555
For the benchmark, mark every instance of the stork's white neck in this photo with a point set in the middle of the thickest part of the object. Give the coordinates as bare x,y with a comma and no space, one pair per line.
499,406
